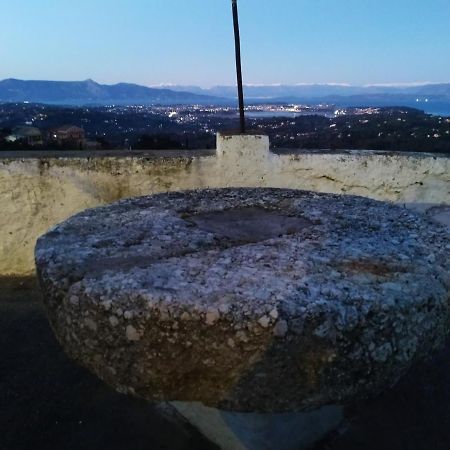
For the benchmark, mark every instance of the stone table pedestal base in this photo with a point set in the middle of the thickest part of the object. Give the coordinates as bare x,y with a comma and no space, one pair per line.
251,431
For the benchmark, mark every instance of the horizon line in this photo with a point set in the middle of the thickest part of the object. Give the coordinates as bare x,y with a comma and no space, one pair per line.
209,87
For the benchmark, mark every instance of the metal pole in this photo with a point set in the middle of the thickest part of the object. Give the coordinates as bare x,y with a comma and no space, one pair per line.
237,42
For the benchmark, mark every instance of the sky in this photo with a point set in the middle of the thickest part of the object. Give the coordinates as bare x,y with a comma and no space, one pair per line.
190,42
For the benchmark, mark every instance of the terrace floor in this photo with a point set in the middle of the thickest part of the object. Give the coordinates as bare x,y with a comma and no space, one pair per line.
47,402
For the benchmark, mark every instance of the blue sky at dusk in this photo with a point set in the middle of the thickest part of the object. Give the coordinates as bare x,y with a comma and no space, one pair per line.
191,41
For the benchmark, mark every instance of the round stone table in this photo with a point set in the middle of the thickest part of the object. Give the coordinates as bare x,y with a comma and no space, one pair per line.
251,301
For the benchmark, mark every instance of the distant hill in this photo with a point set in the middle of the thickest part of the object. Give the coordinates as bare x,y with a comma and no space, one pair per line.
320,90
89,92
428,97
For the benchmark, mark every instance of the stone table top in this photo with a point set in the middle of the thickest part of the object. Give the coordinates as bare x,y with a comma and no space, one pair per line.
262,300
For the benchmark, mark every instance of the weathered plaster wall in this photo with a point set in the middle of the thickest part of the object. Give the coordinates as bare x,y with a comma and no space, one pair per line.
406,178
40,190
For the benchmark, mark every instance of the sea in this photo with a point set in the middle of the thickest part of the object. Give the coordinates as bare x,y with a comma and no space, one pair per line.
289,114
440,110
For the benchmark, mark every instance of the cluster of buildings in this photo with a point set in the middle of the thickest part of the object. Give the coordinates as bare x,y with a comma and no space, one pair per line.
67,135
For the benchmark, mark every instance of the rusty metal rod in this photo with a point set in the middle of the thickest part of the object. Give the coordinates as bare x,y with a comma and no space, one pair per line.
237,42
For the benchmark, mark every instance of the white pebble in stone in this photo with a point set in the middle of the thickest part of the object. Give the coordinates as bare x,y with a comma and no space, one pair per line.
274,314
185,317
90,324
114,321
242,336
107,305
281,328
264,321
132,333
212,316
224,309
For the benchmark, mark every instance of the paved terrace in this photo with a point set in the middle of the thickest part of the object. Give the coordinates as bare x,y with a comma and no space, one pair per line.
50,403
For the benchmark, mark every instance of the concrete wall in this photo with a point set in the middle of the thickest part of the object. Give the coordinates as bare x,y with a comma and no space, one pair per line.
38,190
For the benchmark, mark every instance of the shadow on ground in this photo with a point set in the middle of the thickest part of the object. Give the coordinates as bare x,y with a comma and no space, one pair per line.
47,402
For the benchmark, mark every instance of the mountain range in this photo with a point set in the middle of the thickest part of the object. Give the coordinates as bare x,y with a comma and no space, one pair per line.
318,90
89,92
424,96
432,98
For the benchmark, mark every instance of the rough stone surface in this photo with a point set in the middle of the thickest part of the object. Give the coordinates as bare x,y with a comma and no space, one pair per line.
154,297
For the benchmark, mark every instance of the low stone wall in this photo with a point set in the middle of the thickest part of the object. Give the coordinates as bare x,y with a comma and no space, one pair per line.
38,190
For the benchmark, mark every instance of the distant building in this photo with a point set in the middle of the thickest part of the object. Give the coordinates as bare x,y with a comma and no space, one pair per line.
29,135
69,134
92,145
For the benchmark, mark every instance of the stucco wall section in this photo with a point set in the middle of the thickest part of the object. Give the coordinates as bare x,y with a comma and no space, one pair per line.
36,192
405,178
